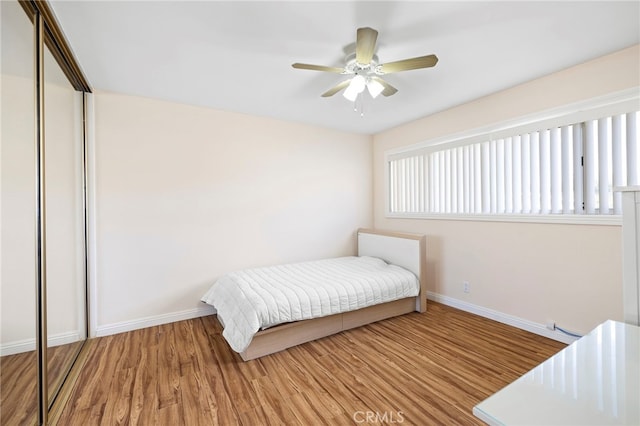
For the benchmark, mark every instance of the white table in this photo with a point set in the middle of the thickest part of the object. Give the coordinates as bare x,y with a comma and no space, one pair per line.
594,381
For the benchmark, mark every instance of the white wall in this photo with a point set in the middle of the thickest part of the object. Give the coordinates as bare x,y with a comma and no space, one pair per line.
186,194
535,272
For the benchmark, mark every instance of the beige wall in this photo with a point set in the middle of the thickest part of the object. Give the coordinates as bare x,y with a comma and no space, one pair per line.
537,272
186,194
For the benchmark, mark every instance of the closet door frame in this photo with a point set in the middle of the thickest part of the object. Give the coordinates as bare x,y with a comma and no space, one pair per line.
41,227
48,34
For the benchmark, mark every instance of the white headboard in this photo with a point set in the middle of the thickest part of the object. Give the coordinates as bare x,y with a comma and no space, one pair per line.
406,250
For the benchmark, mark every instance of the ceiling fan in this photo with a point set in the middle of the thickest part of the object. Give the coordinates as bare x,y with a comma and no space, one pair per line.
363,65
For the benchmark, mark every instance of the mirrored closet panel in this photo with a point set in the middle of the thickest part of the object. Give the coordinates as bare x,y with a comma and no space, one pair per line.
66,296
43,269
18,360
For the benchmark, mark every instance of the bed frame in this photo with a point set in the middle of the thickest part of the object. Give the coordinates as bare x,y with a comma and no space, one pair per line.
406,250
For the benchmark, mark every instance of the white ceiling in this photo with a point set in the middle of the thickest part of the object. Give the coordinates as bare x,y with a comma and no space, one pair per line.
237,56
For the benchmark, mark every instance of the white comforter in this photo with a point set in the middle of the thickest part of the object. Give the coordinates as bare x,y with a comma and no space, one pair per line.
249,300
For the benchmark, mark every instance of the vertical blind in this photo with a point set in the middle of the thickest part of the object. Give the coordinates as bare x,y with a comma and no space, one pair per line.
569,169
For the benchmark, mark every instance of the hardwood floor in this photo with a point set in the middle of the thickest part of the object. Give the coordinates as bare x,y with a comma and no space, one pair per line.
18,382
18,387
420,369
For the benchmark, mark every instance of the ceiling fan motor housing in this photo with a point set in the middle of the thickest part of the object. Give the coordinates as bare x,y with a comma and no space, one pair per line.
353,67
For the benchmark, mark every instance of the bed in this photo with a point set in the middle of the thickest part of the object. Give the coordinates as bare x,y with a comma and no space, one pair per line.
385,279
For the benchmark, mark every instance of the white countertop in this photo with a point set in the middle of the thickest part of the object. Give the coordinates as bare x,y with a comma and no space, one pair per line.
594,381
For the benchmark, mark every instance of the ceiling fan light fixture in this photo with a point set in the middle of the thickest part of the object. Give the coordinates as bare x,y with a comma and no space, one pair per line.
375,88
356,87
350,94
366,70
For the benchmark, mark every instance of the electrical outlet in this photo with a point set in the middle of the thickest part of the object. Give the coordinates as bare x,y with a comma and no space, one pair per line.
466,287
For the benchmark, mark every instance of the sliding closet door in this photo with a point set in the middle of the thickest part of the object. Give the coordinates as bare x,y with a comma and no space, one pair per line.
65,270
43,303
18,361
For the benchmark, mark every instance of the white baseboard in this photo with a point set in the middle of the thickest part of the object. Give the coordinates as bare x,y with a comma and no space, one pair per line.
121,327
523,324
28,345
124,326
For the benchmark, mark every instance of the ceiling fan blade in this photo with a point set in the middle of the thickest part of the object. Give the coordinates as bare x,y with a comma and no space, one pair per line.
388,89
335,89
365,45
409,64
318,68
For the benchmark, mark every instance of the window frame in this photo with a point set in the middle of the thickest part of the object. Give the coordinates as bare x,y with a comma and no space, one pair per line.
612,104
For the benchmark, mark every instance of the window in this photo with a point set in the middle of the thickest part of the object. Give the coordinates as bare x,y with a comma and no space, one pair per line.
531,170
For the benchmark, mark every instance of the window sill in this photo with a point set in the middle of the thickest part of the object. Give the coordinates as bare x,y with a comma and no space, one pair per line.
604,220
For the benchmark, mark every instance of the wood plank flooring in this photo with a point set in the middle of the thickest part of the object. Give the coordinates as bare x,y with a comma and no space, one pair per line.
18,382
417,369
